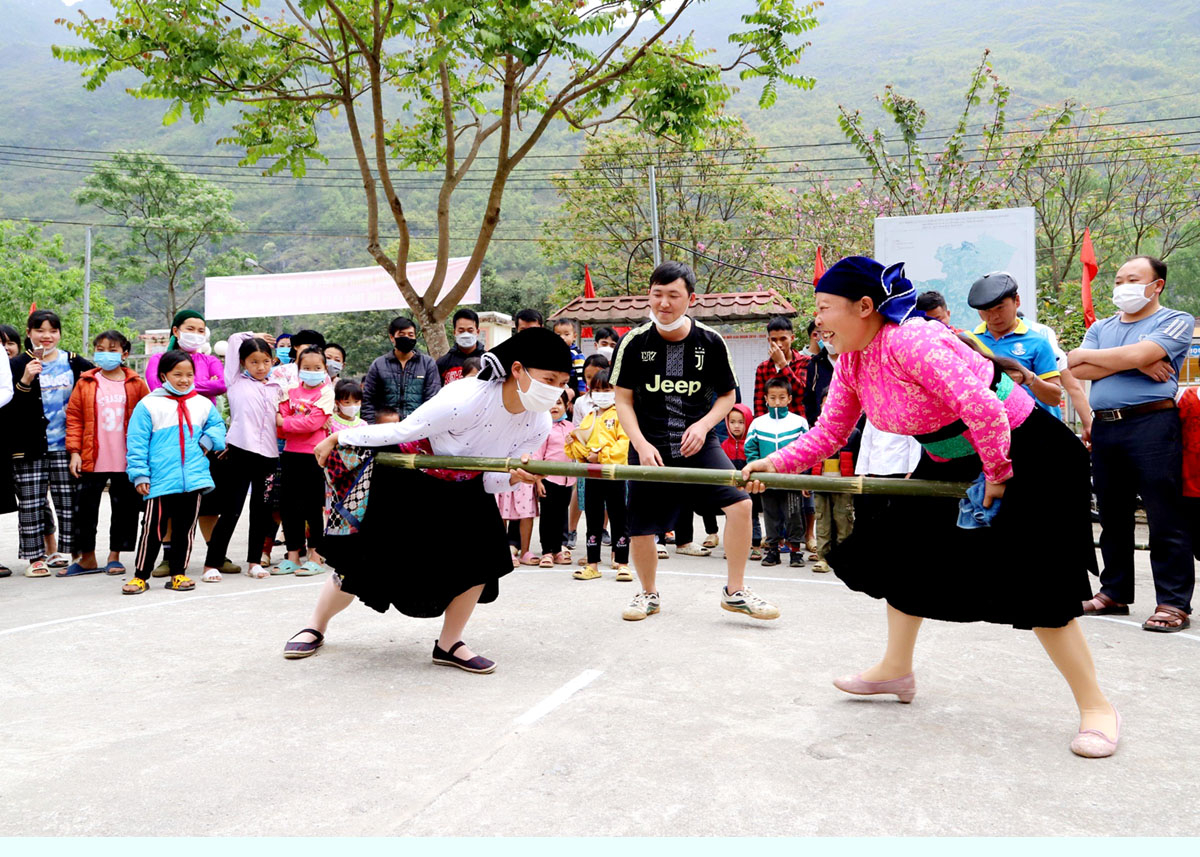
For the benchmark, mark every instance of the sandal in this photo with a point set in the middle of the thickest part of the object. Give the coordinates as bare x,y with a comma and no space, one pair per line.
310,568
529,558
624,575
58,560
75,570
478,664
257,572
212,575
1102,605
37,569
5,571
180,583
136,586
114,568
293,651
662,552
756,553
563,557
547,561
1167,620
589,572
285,567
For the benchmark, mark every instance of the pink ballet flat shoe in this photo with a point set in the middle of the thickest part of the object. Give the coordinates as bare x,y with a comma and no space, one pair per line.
904,687
1094,744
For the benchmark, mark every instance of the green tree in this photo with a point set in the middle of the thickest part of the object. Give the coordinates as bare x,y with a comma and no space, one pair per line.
465,75
175,222
36,268
710,201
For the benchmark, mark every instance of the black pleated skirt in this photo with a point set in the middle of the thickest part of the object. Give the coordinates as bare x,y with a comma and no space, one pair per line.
423,542
1029,569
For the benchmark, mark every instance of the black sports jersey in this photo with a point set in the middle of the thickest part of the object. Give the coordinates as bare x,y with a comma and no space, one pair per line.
673,383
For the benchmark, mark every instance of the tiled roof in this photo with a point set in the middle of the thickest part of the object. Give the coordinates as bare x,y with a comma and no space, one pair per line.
720,307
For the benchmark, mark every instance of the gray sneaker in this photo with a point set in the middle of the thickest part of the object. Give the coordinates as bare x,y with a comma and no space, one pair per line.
643,604
745,601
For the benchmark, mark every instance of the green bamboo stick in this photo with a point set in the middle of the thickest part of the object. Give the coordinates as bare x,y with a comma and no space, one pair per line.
684,475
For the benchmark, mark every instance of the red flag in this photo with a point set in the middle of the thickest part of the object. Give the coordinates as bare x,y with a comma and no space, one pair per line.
818,267
588,291
33,308
1087,256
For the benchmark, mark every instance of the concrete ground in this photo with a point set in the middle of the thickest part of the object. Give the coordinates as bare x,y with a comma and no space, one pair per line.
175,714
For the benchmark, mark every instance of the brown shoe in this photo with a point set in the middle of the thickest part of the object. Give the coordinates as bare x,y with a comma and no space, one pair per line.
1167,620
1102,605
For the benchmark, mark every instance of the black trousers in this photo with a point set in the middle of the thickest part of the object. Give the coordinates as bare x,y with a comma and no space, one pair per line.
180,512
685,527
553,521
783,511
1143,455
124,502
607,494
302,501
244,471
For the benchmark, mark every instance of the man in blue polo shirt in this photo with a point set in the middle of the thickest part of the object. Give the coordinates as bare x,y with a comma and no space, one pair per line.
1133,360
995,297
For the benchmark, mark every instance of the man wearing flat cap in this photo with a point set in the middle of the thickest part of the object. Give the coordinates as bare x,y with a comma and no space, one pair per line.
1005,335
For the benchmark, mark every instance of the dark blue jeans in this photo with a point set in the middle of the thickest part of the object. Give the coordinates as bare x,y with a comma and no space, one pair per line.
1143,455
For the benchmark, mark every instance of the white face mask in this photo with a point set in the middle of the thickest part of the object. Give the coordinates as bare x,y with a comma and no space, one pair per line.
605,351
466,340
1131,297
675,325
191,341
604,400
540,397
351,411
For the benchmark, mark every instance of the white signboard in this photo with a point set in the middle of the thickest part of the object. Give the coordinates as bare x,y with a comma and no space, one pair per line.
949,252
316,292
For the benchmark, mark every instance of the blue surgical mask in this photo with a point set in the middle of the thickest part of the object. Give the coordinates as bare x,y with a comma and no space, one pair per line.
107,360
284,354
561,417
313,378
778,413
175,392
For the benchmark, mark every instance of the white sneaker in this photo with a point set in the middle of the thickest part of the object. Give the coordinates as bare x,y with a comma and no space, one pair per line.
643,604
745,601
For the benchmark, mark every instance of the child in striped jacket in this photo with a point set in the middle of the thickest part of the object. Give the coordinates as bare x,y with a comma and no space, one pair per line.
781,509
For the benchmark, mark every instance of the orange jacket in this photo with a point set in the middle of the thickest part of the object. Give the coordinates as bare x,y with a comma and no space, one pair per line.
81,413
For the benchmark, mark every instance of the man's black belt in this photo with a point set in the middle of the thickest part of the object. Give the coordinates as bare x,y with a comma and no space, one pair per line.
1112,415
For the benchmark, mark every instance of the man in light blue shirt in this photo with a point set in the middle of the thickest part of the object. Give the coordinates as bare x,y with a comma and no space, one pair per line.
1133,360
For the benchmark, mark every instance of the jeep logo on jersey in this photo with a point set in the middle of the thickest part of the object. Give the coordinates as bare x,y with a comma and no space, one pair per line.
666,385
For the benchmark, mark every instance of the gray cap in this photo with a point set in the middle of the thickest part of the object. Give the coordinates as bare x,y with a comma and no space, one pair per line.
990,289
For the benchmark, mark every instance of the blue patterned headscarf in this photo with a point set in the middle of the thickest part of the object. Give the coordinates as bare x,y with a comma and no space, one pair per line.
858,277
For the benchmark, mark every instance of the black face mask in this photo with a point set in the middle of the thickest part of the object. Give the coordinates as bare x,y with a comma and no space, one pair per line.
404,344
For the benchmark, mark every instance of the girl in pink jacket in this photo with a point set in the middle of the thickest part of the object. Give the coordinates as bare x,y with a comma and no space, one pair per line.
302,419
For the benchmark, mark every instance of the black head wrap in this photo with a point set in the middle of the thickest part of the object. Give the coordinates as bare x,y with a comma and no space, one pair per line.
858,277
533,348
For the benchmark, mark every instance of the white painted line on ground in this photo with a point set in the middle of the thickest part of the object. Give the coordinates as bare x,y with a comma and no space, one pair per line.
1139,625
557,698
700,574
174,602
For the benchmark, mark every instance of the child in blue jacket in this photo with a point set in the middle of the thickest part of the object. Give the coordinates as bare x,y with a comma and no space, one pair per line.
170,433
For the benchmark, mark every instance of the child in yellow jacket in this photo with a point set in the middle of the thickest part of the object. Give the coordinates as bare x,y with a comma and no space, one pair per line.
601,440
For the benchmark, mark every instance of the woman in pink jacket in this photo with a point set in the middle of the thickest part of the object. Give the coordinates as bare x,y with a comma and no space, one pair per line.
301,421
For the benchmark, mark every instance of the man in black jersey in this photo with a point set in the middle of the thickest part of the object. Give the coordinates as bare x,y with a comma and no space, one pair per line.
666,373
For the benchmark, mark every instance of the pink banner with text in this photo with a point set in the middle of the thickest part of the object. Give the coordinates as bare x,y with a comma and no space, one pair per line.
315,292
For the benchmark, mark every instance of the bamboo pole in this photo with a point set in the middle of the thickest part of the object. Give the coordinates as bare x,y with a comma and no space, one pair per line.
684,475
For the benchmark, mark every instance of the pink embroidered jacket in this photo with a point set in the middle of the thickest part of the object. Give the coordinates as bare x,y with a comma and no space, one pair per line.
913,379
